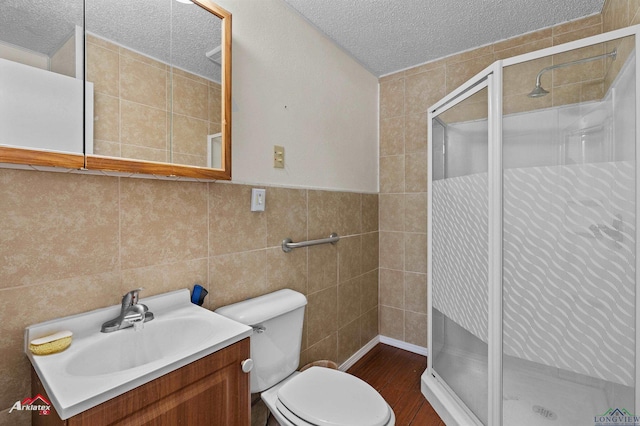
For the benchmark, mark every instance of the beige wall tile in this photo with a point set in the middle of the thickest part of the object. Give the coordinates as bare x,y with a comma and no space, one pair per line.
326,348
391,212
103,69
106,148
45,237
349,258
469,54
143,125
523,48
106,118
143,83
415,172
214,103
615,15
190,97
27,305
523,39
392,174
323,267
460,72
322,310
191,160
415,292
162,222
127,54
236,277
233,227
143,153
369,291
158,279
424,89
370,250
391,98
577,24
415,247
391,322
369,212
392,288
349,301
415,328
392,250
369,325
577,34
331,211
392,136
348,340
287,270
415,133
415,212
189,135
286,212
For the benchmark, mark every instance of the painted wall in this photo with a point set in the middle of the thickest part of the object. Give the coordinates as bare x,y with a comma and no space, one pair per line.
293,87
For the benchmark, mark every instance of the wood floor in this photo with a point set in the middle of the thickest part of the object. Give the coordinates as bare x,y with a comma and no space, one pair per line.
395,373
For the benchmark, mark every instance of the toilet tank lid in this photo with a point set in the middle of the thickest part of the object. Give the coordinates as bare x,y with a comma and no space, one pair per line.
262,308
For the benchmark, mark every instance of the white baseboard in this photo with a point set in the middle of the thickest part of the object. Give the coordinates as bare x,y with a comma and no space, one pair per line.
420,350
362,352
387,341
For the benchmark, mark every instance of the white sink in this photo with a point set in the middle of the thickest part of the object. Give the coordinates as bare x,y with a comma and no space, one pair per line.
100,366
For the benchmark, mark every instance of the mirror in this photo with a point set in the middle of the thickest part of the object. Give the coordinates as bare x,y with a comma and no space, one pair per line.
158,84
41,82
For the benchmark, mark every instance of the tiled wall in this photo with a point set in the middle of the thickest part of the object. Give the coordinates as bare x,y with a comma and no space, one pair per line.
72,243
404,99
134,116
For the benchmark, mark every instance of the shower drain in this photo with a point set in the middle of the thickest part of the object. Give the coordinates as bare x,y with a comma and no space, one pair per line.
547,414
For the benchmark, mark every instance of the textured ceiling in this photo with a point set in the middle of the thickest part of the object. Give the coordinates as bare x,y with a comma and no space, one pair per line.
173,32
390,35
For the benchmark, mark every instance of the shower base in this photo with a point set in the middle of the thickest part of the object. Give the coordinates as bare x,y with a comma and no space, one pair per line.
533,394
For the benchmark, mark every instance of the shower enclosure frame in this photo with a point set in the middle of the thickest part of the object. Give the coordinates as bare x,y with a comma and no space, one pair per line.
446,403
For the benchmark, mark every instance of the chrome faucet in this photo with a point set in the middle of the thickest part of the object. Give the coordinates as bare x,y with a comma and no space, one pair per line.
132,313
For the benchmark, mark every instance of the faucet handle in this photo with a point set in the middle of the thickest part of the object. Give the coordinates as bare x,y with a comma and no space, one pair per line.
131,298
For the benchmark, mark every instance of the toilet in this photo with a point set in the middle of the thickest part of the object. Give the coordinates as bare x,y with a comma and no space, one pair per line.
315,397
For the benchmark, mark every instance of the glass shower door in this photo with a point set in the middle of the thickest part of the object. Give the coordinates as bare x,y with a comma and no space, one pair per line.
459,241
569,244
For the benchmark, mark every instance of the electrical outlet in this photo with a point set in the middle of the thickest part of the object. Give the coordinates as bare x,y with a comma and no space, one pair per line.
258,199
278,157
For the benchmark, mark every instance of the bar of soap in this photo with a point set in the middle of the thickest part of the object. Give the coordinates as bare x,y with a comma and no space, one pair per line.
51,344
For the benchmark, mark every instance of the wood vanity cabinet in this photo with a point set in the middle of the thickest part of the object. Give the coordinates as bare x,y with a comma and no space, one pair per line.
211,391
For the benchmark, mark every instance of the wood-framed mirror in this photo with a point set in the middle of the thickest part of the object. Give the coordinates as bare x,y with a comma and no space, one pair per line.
115,85
41,83
161,76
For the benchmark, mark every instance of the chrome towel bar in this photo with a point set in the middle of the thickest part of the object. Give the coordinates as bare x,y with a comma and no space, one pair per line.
288,245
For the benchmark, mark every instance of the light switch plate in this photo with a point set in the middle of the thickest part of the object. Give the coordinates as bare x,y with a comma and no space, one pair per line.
258,199
278,157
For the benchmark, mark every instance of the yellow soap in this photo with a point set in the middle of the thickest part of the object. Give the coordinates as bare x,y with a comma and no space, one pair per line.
51,344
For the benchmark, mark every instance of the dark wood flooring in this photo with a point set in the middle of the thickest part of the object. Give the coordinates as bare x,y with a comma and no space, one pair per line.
395,373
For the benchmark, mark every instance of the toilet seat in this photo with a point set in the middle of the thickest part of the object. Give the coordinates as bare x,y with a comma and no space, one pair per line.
325,397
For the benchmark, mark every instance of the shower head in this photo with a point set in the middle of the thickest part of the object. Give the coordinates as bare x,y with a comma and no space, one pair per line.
538,92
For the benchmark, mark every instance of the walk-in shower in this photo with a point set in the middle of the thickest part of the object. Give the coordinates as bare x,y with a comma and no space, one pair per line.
532,241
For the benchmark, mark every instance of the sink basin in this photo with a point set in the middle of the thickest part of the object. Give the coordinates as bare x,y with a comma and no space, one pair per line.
128,348
100,366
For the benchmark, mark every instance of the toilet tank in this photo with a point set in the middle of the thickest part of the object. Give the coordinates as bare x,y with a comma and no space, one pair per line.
277,320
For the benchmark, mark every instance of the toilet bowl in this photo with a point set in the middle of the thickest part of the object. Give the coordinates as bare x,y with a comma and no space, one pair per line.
315,397
325,397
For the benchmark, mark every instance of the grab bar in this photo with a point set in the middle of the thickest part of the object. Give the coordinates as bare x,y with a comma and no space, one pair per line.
288,245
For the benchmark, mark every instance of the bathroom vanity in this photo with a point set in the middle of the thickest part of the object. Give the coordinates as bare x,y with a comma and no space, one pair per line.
186,366
211,391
